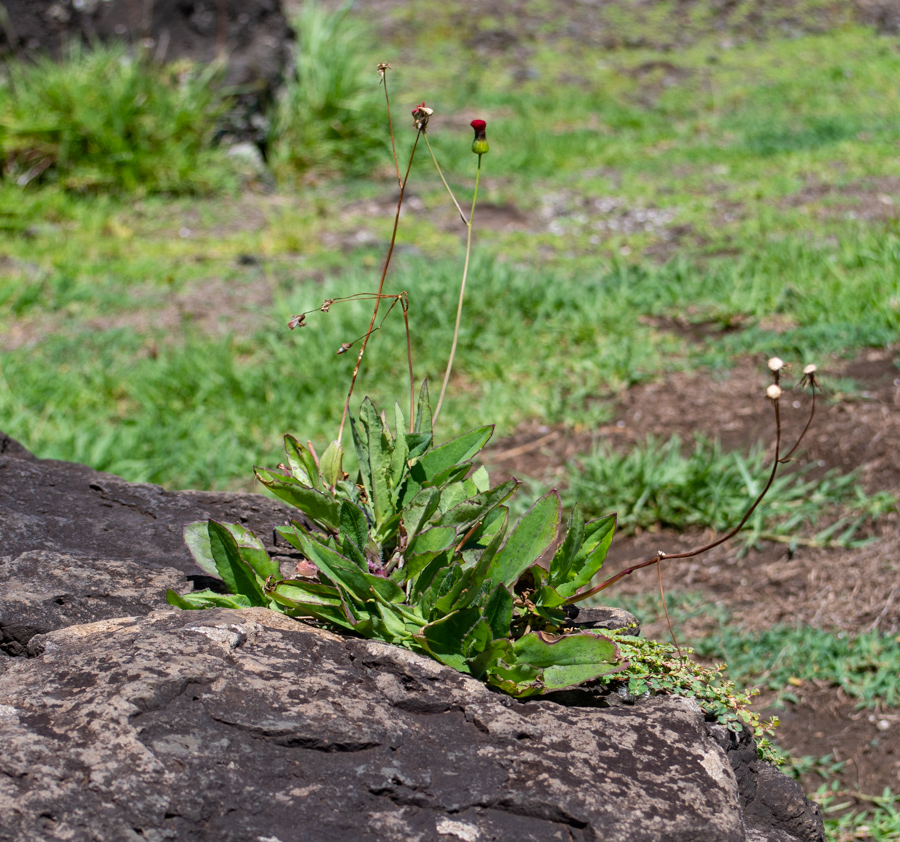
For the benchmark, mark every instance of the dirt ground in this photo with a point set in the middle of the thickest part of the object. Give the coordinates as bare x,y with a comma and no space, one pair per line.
833,589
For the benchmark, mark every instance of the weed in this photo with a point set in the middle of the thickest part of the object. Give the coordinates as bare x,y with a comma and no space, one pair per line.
103,119
326,120
864,666
845,822
656,484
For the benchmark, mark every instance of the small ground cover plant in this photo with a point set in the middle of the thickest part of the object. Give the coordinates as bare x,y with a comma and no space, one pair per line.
417,550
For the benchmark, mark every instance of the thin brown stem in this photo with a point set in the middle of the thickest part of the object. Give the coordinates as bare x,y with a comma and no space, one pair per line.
387,263
387,100
809,420
462,293
700,550
662,596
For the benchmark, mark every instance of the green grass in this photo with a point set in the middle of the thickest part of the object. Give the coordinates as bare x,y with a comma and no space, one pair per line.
662,483
559,318
106,120
330,118
879,822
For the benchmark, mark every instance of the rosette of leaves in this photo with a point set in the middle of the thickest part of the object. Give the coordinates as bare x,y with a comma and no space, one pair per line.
419,552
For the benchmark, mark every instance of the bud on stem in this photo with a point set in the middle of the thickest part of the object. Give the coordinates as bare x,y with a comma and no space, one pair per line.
480,144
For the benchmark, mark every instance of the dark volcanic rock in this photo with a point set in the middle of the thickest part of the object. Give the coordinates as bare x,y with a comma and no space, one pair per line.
77,545
72,509
232,725
119,721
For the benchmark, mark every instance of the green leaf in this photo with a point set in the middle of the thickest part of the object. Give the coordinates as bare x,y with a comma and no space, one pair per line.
418,443
598,535
196,536
419,511
253,552
568,549
423,413
450,594
532,536
481,479
318,507
484,533
331,465
238,577
489,656
198,600
477,639
330,614
436,540
342,571
466,514
313,593
353,525
568,660
458,450
498,611
483,566
444,638
380,447
399,456
438,462
302,464
547,597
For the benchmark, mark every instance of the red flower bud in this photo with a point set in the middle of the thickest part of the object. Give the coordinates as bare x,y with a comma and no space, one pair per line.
480,144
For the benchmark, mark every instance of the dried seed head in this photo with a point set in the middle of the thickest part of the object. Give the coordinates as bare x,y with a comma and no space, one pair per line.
773,393
326,305
382,67
809,377
346,346
421,114
775,364
297,321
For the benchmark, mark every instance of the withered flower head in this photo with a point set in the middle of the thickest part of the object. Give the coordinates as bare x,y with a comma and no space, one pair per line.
297,321
421,114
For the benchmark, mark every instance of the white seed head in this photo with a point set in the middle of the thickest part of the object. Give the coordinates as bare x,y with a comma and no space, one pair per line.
810,369
776,364
773,392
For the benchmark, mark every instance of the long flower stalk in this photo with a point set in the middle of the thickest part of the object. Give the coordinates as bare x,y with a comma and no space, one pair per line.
480,148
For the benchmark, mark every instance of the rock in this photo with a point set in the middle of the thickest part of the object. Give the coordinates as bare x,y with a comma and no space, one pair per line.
78,545
72,509
122,719
233,725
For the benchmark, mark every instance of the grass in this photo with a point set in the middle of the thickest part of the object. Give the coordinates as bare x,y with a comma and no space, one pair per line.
659,484
646,199
879,822
107,120
330,117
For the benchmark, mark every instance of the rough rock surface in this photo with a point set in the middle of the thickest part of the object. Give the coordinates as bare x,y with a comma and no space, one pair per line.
122,722
77,545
